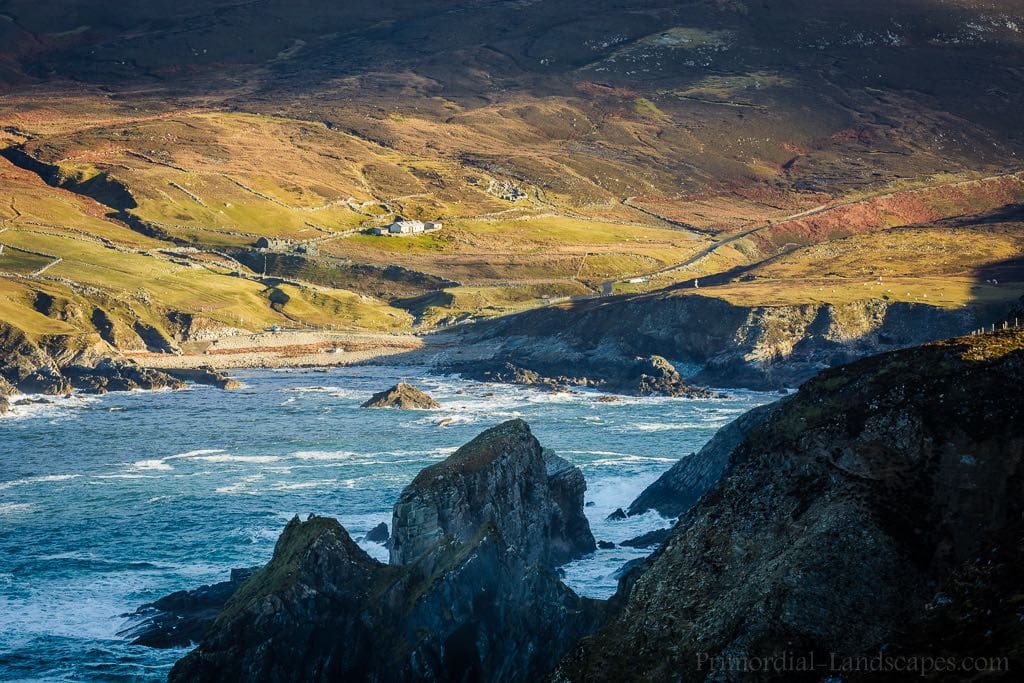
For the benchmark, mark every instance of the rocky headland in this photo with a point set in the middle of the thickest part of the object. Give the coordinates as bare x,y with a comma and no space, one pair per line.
639,376
57,368
881,490
621,343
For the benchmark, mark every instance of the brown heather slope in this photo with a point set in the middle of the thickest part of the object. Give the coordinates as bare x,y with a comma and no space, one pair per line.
564,152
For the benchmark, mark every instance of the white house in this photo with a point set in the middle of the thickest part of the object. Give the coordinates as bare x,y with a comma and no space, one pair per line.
406,227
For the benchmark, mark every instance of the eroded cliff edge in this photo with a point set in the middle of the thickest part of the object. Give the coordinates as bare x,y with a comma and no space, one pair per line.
712,342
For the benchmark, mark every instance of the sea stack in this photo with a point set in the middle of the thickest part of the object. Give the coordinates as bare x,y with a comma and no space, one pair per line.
404,396
500,477
470,593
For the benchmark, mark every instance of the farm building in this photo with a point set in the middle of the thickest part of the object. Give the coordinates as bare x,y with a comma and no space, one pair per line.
404,227
272,244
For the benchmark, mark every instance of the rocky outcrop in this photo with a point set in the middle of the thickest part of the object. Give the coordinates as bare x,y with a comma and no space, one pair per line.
206,375
640,376
183,617
501,478
378,534
7,390
684,483
570,535
27,367
658,377
404,396
651,538
475,602
296,618
842,518
728,345
118,375
53,368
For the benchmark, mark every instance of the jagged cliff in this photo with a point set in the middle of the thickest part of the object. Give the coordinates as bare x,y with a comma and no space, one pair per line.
843,517
470,594
758,347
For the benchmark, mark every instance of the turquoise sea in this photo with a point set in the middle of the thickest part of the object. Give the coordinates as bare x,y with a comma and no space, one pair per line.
110,502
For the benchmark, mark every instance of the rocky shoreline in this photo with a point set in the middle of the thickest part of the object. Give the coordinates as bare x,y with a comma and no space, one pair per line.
882,485
622,345
613,341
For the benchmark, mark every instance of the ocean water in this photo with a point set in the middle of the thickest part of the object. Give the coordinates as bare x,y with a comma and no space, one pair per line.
110,502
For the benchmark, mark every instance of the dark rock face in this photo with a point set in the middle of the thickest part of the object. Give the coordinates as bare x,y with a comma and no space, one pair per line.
640,376
500,477
840,519
183,617
27,367
651,538
404,396
118,375
684,483
970,616
476,602
206,375
296,618
757,347
570,535
378,534
617,516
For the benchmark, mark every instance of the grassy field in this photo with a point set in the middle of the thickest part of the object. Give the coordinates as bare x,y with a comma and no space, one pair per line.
564,156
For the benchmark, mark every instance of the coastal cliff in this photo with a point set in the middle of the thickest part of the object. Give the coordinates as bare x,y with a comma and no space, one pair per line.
843,518
470,594
57,365
724,344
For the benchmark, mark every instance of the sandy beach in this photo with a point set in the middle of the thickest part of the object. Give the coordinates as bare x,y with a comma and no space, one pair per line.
286,348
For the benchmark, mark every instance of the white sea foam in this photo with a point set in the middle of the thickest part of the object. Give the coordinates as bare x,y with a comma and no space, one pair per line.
38,480
196,453
151,465
122,476
237,458
298,486
14,508
611,453
324,455
241,486
313,390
